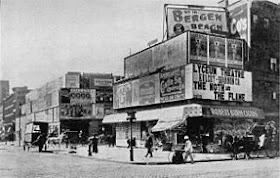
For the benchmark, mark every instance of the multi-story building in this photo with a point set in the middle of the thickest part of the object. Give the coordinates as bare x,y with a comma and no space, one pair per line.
264,57
12,110
202,83
4,89
73,103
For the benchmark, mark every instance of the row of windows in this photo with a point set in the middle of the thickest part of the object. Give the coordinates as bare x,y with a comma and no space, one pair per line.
265,20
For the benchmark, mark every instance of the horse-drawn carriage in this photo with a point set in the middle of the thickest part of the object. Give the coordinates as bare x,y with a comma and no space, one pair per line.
36,134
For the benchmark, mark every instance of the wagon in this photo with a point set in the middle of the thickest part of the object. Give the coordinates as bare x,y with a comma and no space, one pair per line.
35,135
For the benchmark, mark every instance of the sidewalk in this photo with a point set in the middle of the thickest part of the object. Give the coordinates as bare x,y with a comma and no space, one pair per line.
122,154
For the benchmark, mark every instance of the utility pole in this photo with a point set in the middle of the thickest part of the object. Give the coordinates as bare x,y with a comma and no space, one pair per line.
131,118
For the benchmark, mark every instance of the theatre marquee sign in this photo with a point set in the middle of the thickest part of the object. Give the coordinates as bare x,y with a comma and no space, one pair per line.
218,83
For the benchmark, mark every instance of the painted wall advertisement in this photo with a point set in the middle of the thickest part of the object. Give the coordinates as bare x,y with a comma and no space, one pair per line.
138,64
122,95
172,85
182,19
218,83
239,21
72,80
198,48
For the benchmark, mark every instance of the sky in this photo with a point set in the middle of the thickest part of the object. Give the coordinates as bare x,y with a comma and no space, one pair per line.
42,40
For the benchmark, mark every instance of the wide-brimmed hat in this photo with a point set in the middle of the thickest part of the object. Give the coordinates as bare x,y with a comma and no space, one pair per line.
186,137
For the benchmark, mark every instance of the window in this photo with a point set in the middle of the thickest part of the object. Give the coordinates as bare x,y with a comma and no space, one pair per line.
255,18
266,23
273,64
274,96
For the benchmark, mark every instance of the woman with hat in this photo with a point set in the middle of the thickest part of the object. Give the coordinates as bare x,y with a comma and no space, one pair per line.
188,149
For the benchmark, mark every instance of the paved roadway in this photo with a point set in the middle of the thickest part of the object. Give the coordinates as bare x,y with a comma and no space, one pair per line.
48,165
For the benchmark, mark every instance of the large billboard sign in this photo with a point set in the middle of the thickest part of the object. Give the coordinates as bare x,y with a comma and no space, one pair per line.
170,54
218,83
138,64
180,19
239,15
172,85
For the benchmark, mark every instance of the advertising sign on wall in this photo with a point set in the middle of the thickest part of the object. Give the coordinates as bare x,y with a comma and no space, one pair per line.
68,111
239,14
217,49
182,19
138,64
145,90
72,80
234,53
198,48
77,96
170,54
218,83
172,85
122,95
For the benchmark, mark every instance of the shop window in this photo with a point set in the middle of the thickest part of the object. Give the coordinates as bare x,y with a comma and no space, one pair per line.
255,18
266,23
273,64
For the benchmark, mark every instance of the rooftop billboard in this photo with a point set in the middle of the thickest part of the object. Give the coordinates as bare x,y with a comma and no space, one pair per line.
195,18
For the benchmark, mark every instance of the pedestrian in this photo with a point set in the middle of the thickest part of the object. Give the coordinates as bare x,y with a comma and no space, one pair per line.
188,149
95,144
149,145
90,146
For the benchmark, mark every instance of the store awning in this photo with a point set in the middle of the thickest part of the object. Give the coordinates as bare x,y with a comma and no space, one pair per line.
175,116
147,115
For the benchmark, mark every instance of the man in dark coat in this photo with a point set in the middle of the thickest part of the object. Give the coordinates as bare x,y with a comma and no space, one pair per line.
149,145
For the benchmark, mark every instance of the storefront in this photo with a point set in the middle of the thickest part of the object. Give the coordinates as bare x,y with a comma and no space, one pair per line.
207,124
143,124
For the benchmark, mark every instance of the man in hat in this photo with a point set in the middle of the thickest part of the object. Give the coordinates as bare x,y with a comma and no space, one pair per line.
188,149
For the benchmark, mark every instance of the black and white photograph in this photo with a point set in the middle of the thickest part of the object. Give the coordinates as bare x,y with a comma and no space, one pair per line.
139,89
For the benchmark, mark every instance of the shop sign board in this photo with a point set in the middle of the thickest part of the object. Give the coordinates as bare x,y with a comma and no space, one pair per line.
239,15
138,64
172,85
217,53
122,95
233,112
170,54
219,83
77,96
72,80
198,47
71,111
103,82
180,19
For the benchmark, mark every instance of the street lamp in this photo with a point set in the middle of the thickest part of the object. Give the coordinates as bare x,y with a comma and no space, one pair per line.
131,118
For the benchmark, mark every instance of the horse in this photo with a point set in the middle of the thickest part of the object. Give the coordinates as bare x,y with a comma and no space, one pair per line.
56,140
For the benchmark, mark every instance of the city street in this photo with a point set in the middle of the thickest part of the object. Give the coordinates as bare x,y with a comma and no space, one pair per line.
15,163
